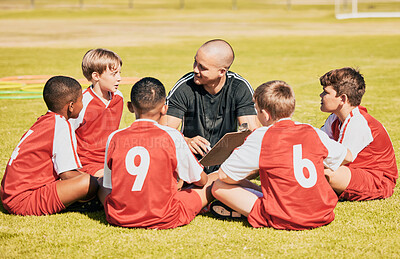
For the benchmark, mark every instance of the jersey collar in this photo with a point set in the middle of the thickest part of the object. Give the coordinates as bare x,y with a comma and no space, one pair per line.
101,99
148,120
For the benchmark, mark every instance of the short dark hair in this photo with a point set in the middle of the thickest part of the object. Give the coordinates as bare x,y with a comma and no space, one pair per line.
347,81
147,93
59,90
277,98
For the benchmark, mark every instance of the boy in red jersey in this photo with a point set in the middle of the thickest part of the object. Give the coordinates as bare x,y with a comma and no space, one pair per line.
41,176
143,163
102,108
373,171
290,158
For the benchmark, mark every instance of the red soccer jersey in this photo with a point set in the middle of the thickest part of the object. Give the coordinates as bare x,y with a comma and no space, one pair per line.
95,123
290,157
46,150
143,163
368,142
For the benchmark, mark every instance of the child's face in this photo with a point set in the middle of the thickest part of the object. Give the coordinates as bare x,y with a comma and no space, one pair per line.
329,101
109,80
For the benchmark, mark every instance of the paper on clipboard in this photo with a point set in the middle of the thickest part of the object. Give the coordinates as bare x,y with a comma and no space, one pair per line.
224,147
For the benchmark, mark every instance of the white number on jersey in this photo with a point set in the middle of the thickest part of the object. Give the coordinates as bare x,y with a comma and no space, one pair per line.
299,163
16,150
139,170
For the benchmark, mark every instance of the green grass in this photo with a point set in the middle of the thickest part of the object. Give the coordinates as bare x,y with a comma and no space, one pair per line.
361,229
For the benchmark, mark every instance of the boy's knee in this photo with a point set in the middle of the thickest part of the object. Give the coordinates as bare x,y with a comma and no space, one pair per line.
328,174
216,187
88,185
93,185
339,179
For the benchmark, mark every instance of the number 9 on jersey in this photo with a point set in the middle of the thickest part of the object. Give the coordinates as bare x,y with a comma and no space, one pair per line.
137,162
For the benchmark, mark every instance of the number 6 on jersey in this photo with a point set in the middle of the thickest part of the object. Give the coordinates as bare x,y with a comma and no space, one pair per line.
137,162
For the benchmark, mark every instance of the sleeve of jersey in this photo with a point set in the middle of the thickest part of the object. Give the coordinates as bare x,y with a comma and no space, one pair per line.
65,157
107,169
75,123
177,100
327,128
244,100
245,158
336,151
356,135
188,168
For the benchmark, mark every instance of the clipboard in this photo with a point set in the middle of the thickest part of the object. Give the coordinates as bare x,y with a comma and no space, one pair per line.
224,147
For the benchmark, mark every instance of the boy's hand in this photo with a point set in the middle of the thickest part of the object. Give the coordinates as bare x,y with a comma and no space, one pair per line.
198,145
348,158
180,184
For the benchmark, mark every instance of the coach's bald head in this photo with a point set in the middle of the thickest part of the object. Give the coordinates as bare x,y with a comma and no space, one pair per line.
221,52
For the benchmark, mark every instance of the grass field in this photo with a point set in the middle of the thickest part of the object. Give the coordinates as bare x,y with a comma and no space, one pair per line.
296,45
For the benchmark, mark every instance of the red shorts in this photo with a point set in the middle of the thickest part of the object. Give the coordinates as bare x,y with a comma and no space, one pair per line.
191,206
259,217
42,201
182,208
256,218
91,168
365,185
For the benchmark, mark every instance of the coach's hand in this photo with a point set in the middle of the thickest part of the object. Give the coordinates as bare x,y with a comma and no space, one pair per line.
198,145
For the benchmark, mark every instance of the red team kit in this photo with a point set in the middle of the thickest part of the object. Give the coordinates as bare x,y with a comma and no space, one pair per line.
96,121
143,163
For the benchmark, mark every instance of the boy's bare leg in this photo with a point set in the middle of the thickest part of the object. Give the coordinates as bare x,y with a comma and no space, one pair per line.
81,187
235,196
205,192
339,179
245,183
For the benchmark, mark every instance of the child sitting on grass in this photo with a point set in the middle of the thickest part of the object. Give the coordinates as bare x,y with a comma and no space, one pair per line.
290,158
143,163
41,176
373,172
102,108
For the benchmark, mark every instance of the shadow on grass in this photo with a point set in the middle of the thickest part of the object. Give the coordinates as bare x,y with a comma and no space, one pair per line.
243,221
99,216
2,209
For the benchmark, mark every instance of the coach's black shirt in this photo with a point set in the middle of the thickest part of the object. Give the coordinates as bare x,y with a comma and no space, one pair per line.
207,115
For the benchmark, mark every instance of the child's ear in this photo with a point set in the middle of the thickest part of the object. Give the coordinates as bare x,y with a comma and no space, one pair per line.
344,98
164,109
96,76
265,114
71,107
130,107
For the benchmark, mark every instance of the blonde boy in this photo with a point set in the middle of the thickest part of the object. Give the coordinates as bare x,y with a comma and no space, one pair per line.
290,158
102,108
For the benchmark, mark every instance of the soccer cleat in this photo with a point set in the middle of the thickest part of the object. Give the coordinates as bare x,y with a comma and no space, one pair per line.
221,211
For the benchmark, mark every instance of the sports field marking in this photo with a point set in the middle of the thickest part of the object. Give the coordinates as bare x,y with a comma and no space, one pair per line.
30,86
